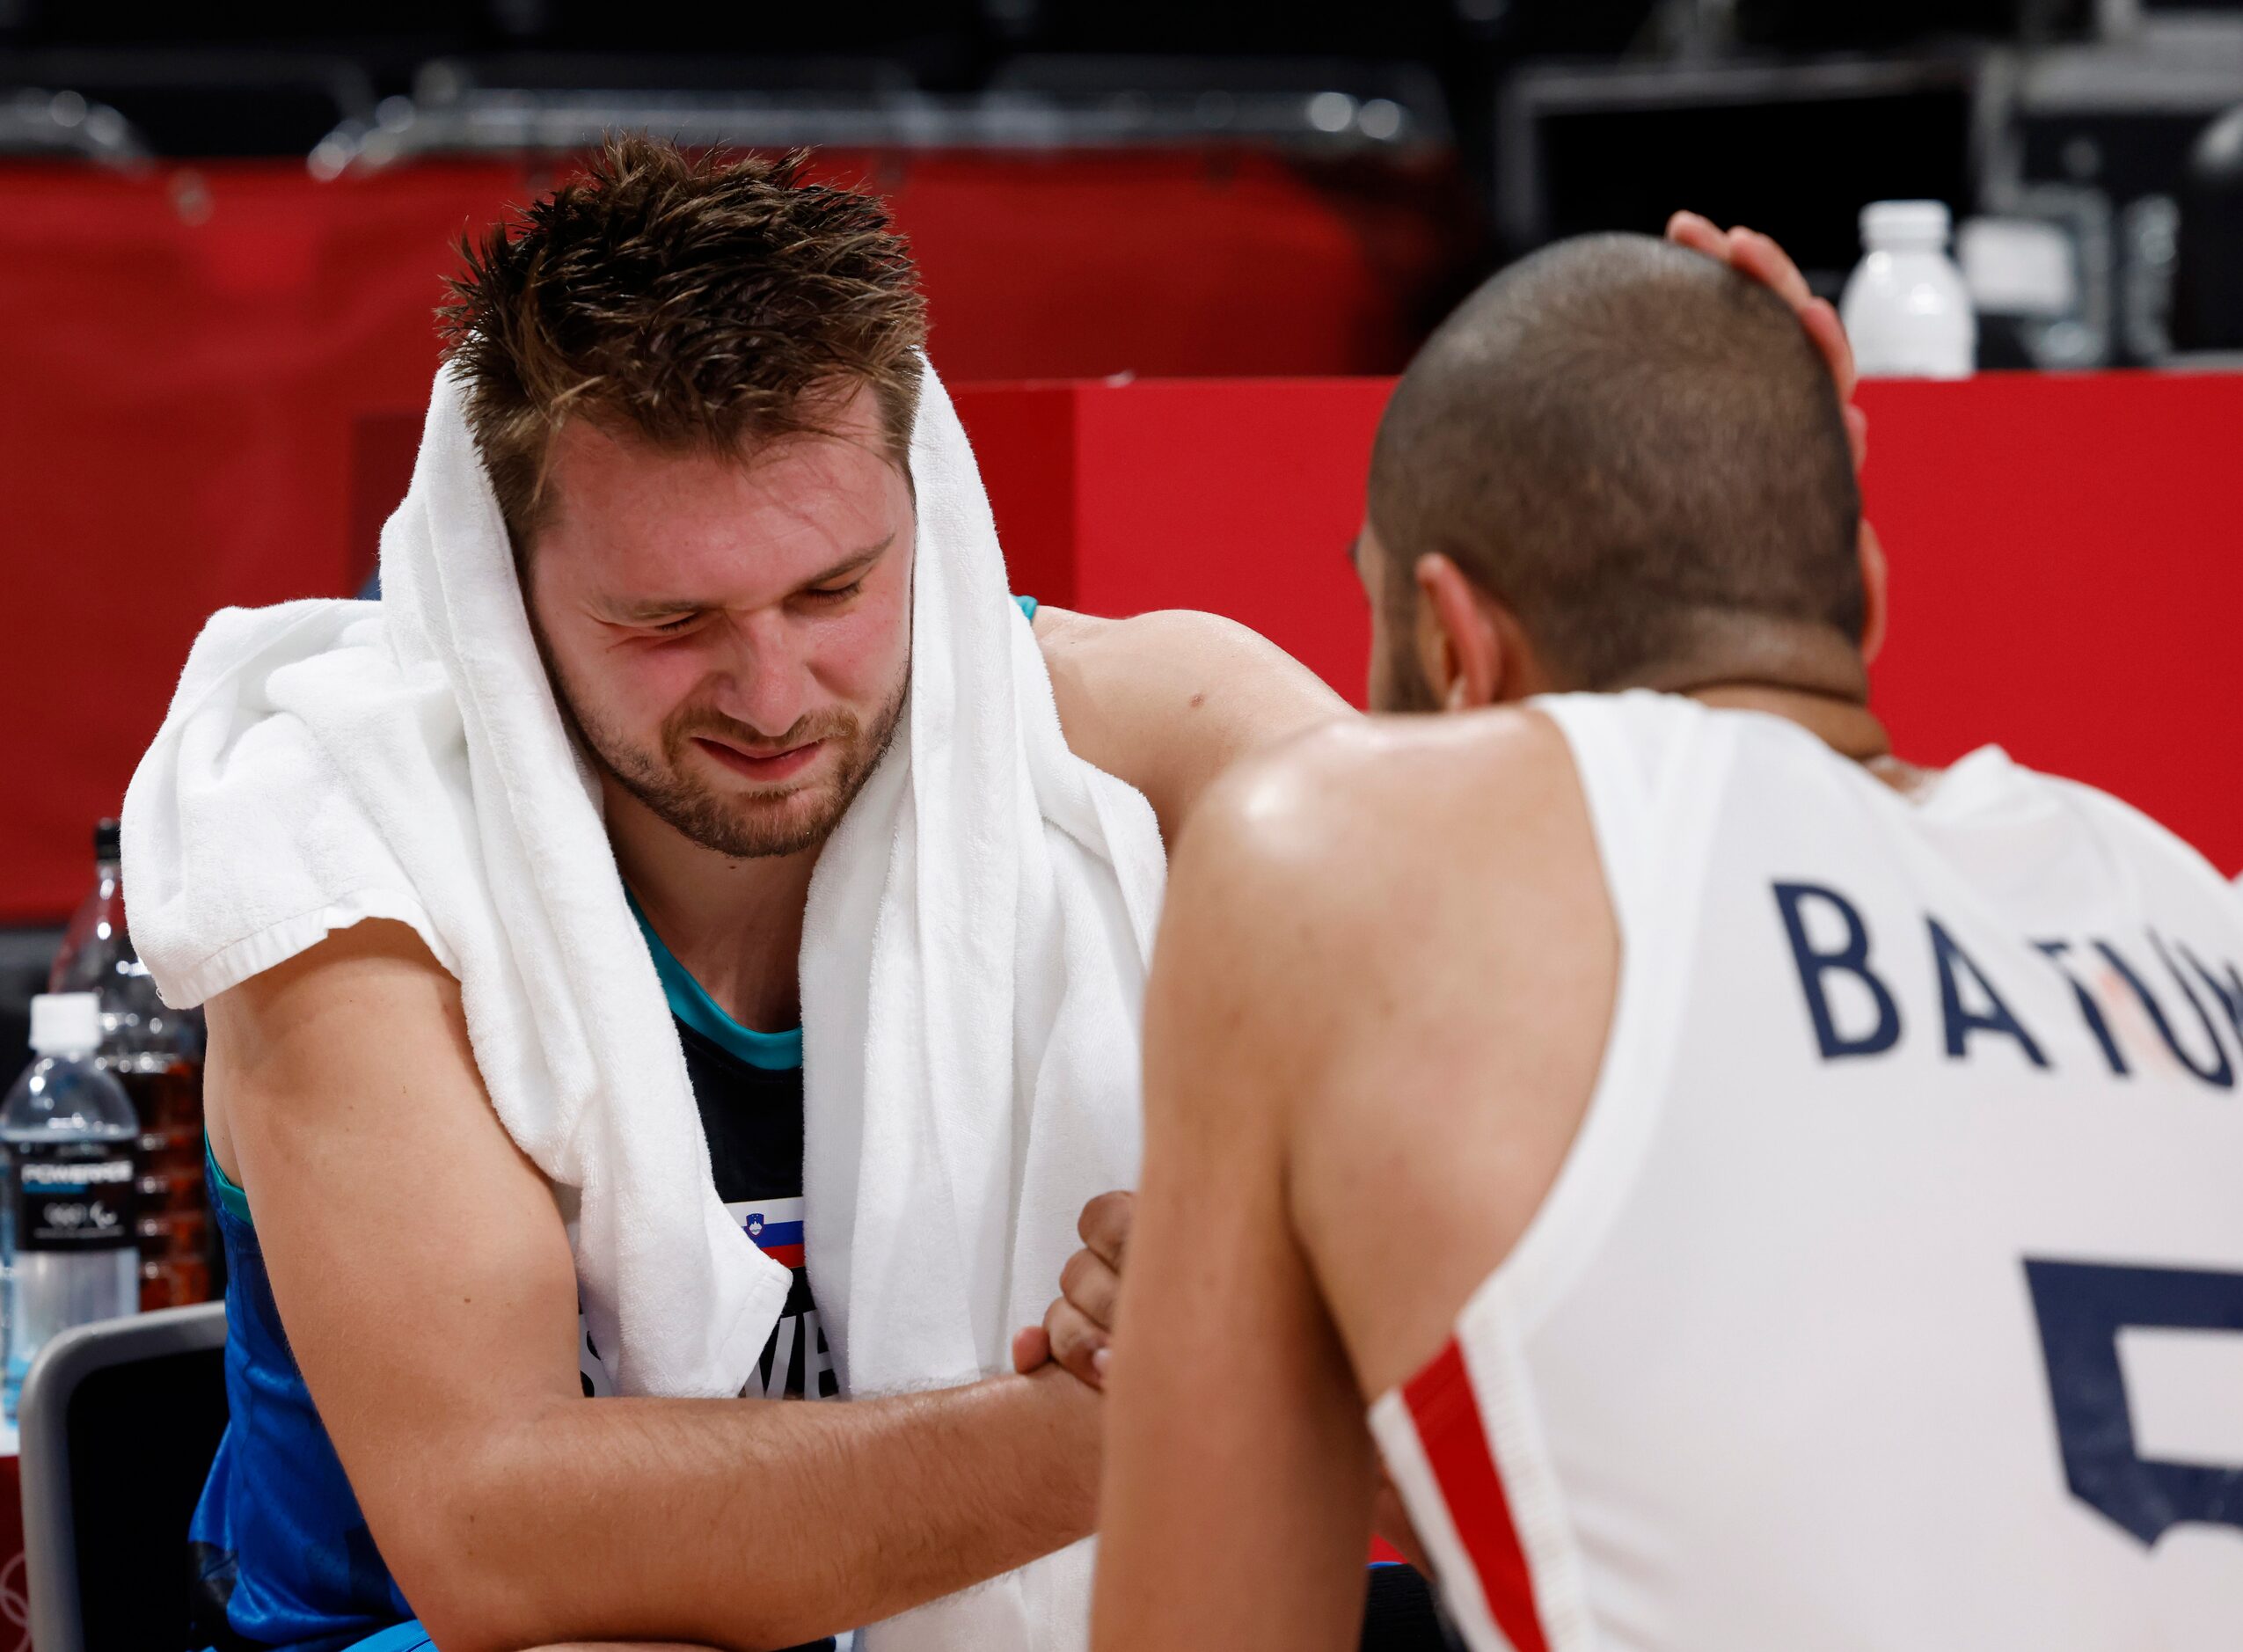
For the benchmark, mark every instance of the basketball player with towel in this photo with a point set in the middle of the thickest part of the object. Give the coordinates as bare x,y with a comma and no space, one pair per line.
677,955
1745,1190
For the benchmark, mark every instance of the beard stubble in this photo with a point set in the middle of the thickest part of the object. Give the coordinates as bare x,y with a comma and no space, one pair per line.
762,824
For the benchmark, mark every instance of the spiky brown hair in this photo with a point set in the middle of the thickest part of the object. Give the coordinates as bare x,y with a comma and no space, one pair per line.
698,300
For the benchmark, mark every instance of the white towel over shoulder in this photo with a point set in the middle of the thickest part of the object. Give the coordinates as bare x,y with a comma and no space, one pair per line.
973,963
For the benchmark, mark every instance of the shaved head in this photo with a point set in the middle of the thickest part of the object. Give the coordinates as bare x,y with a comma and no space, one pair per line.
1636,451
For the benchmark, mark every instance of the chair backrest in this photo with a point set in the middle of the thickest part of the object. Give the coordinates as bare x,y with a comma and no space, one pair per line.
119,1421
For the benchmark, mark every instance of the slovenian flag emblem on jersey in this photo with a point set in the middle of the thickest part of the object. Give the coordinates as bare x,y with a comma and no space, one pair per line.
775,1224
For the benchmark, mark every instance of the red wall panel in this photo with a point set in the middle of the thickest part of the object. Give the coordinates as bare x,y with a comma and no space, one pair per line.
2067,564
1025,438
2067,574
1241,498
185,359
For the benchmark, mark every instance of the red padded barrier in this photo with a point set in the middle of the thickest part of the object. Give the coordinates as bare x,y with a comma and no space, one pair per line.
214,380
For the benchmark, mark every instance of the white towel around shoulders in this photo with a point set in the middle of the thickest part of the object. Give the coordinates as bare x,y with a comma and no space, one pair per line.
972,966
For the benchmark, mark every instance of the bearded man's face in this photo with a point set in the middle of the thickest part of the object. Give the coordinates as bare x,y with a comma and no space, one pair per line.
731,635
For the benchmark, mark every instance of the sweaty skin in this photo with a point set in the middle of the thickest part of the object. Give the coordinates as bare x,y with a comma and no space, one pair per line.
727,638
1334,1027
1383,983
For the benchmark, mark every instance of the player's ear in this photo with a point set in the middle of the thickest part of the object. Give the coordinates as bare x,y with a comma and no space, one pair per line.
1874,611
1459,648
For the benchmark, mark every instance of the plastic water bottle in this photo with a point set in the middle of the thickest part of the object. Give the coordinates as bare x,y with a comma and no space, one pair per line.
68,1132
1905,306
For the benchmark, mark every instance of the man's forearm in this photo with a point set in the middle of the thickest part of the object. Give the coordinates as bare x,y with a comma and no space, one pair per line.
755,1523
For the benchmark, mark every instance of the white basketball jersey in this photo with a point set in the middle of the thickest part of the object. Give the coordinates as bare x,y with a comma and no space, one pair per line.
1891,1296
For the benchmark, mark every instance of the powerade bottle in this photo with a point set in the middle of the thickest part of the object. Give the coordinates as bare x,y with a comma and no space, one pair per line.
156,1052
69,1132
97,955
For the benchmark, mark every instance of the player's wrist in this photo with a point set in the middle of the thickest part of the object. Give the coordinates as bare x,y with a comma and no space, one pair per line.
1063,1393
1071,1414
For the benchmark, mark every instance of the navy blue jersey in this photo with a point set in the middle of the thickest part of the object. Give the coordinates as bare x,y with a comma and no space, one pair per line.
281,1556
747,1087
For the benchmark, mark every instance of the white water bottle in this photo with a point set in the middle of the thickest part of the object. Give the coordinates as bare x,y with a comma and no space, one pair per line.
69,1132
1905,306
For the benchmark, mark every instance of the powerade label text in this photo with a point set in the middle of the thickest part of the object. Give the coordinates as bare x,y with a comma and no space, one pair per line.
76,1196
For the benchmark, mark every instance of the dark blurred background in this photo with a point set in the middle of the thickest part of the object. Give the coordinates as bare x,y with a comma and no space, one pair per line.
223,230
1496,124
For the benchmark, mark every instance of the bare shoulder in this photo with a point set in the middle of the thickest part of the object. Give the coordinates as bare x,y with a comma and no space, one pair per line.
375,946
347,1003
1346,879
1172,634
1351,817
1400,933
1169,700
363,975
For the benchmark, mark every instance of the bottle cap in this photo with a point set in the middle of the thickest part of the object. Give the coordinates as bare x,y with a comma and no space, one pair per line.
1919,223
108,840
65,1024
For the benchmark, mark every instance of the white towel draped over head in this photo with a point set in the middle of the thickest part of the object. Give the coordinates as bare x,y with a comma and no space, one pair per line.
972,966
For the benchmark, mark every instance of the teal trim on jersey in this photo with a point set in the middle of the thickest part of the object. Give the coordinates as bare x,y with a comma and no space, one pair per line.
233,1198
408,1636
690,1002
